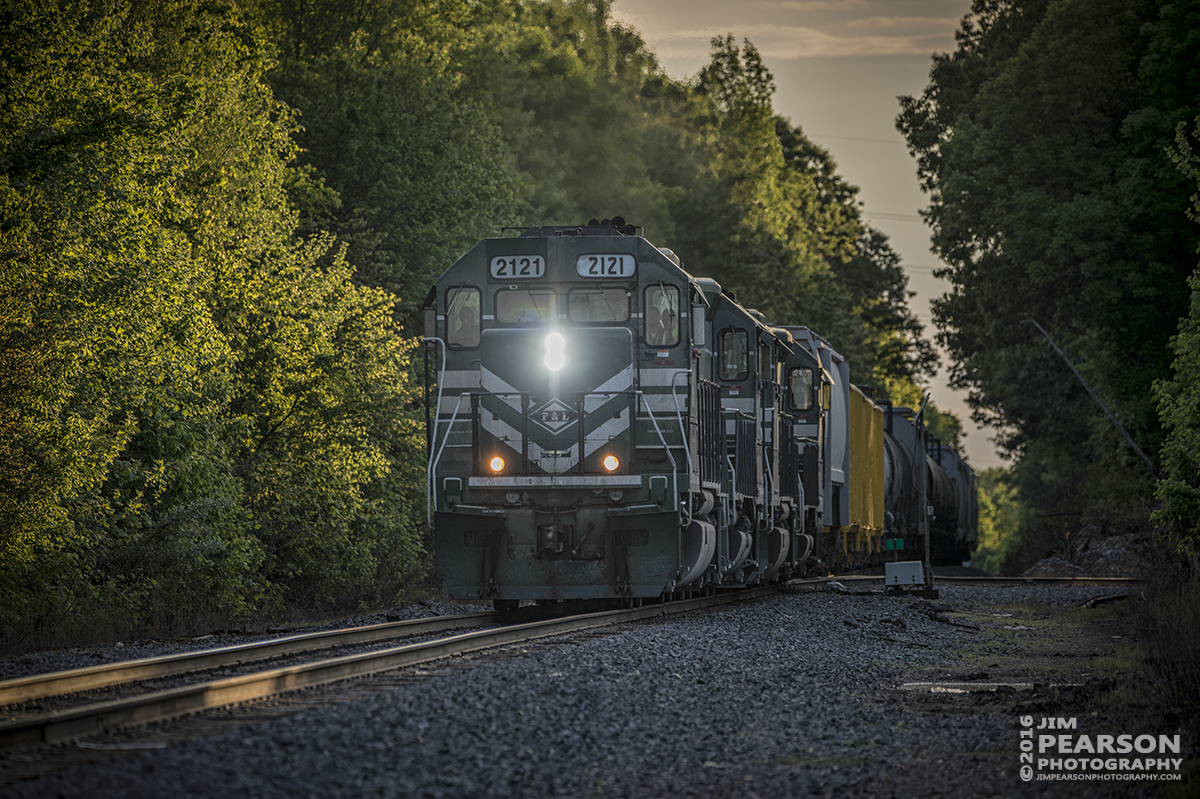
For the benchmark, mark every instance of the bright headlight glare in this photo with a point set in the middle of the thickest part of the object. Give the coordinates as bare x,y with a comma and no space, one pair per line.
611,463
556,358
497,464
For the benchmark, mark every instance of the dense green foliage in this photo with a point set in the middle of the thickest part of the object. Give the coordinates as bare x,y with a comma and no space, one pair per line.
200,412
999,520
417,174
219,219
1179,397
1043,142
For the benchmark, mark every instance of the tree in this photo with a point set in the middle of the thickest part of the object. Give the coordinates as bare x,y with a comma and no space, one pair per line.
418,175
1179,397
565,84
113,371
766,214
159,321
999,520
1041,143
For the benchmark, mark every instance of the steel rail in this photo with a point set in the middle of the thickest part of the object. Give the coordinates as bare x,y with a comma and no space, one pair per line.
40,686
161,705
1038,580
866,578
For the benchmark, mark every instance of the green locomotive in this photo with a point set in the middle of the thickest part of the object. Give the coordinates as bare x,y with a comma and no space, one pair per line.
603,425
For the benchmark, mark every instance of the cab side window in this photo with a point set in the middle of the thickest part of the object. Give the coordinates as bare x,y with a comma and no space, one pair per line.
733,355
662,315
800,389
462,317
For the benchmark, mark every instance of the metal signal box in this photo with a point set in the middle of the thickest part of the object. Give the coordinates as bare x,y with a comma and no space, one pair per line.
908,572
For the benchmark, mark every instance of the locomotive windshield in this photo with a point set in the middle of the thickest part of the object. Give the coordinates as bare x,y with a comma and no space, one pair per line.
598,305
733,363
800,384
524,306
662,315
462,317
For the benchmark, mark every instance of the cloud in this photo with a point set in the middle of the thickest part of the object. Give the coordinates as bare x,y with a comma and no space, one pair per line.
850,8
840,6
796,29
925,23
798,41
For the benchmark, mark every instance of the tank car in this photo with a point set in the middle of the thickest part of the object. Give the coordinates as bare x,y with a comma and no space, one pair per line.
954,526
944,497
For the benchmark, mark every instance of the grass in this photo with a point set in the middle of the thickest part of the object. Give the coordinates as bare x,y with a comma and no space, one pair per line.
83,615
1136,662
1169,625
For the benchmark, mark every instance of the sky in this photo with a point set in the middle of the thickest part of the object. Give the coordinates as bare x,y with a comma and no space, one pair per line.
839,66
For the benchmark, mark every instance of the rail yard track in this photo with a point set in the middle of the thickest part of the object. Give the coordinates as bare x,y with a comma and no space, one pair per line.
26,726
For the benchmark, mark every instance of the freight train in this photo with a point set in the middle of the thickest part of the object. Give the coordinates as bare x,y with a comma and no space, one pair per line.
603,425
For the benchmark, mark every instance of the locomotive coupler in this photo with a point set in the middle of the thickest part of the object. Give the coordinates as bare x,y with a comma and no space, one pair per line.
552,538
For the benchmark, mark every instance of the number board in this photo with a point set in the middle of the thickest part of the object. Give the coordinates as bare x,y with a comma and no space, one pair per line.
606,265
518,266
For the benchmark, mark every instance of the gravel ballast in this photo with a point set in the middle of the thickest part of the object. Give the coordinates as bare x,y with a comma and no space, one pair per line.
795,695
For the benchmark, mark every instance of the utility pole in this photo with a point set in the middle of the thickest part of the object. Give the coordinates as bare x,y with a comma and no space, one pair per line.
923,512
1128,438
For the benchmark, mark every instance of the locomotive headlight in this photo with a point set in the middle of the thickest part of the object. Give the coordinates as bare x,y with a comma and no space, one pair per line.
497,464
556,357
611,463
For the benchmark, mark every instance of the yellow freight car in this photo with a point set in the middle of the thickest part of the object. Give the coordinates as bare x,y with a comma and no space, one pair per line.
862,536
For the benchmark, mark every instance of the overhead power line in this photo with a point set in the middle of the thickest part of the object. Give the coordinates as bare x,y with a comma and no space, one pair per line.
1111,417
856,138
893,217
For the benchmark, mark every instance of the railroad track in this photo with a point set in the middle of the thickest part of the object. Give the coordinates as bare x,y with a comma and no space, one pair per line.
41,686
159,705
871,578
91,719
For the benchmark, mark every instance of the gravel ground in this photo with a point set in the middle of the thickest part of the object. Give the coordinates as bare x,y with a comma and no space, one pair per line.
796,695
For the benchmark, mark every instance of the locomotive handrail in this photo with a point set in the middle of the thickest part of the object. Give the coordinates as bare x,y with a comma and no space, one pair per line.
745,438
431,498
711,430
674,468
769,488
683,434
476,410
581,405
431,467
789,448
583,411
477,404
